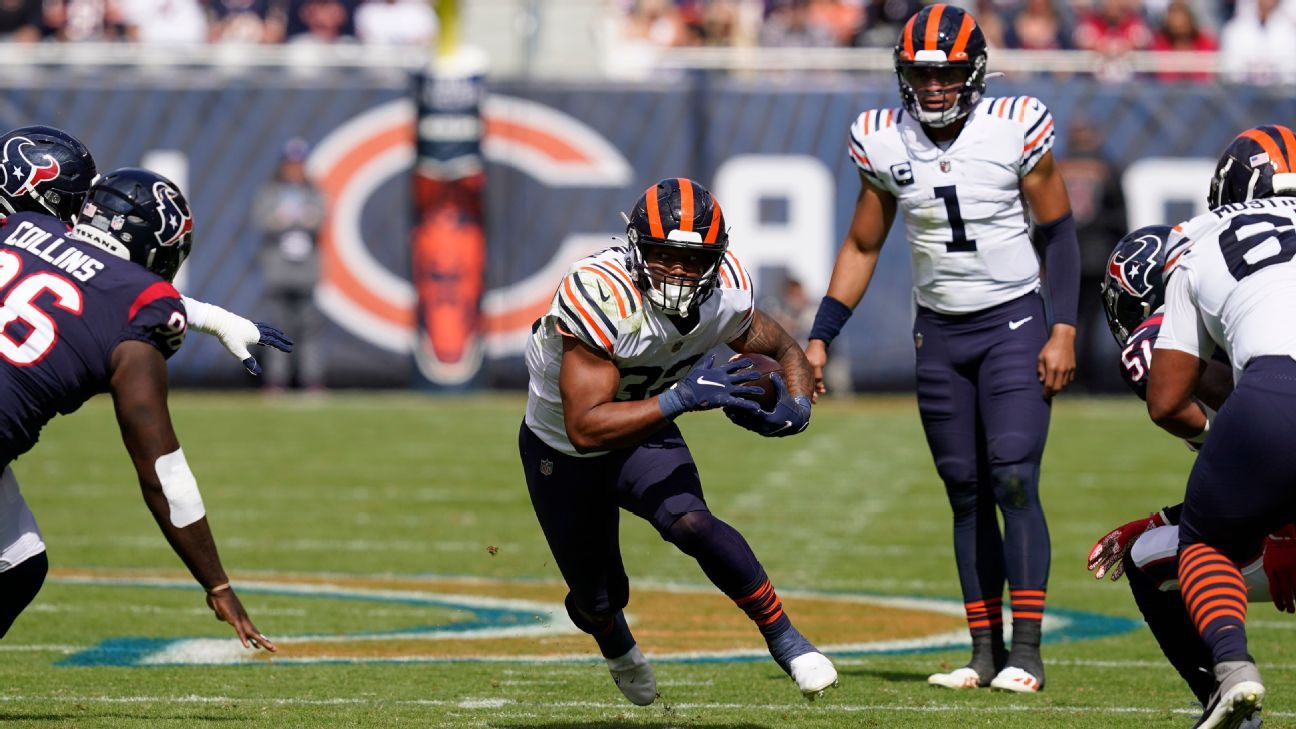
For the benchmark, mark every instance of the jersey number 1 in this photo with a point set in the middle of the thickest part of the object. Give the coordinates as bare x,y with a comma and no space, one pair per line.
20,306
961,243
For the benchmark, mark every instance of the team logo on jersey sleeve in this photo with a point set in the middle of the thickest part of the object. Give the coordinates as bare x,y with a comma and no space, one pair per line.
18,173
176,221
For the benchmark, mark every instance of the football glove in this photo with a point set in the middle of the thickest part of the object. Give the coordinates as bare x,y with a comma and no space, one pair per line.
790,415
708,387
1280,568
1108,554
235,332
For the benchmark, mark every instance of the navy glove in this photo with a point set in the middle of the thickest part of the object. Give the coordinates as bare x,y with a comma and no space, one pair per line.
790,415
708,387
269,336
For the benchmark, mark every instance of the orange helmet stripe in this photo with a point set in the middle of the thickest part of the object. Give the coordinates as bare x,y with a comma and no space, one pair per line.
932,34
908,54
717,222
959,51
1270,146
686,203
1289,143
654,215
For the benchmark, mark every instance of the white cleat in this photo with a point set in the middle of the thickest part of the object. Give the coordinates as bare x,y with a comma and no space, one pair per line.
813,673
634,676
1238,708
959,678
1016,680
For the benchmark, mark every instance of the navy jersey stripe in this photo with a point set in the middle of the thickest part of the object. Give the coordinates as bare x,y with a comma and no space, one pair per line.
574,318
593,302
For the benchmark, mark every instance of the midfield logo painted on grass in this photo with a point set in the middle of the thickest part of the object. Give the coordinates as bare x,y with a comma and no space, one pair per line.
524,620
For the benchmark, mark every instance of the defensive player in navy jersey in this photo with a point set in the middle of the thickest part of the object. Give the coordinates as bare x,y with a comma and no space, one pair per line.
612,364
89,311
990,356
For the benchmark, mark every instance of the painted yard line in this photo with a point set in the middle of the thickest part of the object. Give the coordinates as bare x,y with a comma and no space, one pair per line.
1076,662
496,703
42,648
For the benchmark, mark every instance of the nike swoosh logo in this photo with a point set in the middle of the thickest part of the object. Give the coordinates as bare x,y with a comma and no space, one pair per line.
1014,325
786,424
604,295
705,381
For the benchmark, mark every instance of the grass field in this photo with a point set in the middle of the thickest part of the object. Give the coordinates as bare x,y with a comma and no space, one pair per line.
339,517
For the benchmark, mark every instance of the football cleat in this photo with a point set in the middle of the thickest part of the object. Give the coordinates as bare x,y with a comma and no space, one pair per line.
1237,699
960,678
813,673
634,676
1016,680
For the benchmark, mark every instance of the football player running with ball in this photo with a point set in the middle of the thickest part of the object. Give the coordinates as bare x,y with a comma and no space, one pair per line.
958,167
620,354
94,311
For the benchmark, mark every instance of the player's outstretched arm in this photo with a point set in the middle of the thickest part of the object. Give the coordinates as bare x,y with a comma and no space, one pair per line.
139,389
235,332
589,382
766,336
875,211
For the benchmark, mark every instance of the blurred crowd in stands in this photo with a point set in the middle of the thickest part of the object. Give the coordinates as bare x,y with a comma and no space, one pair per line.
1253,37
185,22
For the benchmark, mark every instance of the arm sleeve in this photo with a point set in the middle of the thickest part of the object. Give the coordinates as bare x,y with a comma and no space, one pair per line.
1038,138
1182,328
1062,267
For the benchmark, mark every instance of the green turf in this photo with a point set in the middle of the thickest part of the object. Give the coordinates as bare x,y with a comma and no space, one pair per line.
412,485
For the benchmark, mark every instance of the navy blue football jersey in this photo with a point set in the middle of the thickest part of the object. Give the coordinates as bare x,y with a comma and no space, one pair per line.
64,306
1136,358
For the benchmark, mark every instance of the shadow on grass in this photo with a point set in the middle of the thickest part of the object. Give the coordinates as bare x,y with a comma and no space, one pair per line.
887,675
628,721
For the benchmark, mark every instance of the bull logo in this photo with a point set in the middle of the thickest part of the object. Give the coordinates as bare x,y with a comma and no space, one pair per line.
174,218
19,175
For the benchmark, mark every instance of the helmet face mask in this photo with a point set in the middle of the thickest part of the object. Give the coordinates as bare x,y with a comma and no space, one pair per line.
1133,287
940,61
677,242
44,170
141,216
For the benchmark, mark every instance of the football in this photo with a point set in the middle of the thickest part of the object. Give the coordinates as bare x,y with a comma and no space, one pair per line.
766,366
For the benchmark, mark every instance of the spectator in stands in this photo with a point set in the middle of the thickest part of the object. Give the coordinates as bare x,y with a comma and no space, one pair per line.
320,21
991,20
82,20
164,22
1093,184
883,20
1037,27
1256,45
841,18
248,21
396,22
1113,29
791,25
1180,32
20,20
289,211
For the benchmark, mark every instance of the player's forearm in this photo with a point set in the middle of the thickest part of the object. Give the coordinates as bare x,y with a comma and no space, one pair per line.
1184,418
193,543
852,273
613,425
1062,267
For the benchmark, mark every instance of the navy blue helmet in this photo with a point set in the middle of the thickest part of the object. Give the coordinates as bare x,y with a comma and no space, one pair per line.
680,217
139,215
945,42
1133,287
1256,164
44,170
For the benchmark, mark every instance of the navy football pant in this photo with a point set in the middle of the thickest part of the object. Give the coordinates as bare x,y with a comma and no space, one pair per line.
1164,613
1240,489
578,502
18,587
986,421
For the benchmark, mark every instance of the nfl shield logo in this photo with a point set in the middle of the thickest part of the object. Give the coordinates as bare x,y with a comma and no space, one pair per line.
546,467
945,165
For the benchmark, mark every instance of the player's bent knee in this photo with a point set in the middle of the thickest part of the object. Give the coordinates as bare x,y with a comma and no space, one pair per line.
592,616
1016,485
691,531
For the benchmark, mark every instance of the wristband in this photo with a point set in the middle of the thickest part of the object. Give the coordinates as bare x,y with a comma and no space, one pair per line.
219,588
829,319
671,404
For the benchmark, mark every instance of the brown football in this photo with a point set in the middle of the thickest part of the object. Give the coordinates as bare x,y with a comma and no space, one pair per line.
766,366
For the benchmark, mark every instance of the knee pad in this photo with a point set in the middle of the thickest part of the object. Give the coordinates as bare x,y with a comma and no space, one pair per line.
1016,485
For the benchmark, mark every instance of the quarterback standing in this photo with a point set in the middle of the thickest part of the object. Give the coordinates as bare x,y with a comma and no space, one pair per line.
612,364
990,355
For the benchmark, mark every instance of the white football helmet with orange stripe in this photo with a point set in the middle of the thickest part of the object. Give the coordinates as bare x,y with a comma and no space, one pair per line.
677,241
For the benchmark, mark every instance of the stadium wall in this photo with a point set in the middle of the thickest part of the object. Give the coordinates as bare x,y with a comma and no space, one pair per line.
561,160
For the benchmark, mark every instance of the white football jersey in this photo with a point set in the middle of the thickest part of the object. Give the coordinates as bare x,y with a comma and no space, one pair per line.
599,304
968,234
1231,282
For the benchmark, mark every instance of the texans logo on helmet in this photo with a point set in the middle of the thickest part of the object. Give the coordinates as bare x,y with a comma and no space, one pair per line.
1131,272
20,173
175,220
